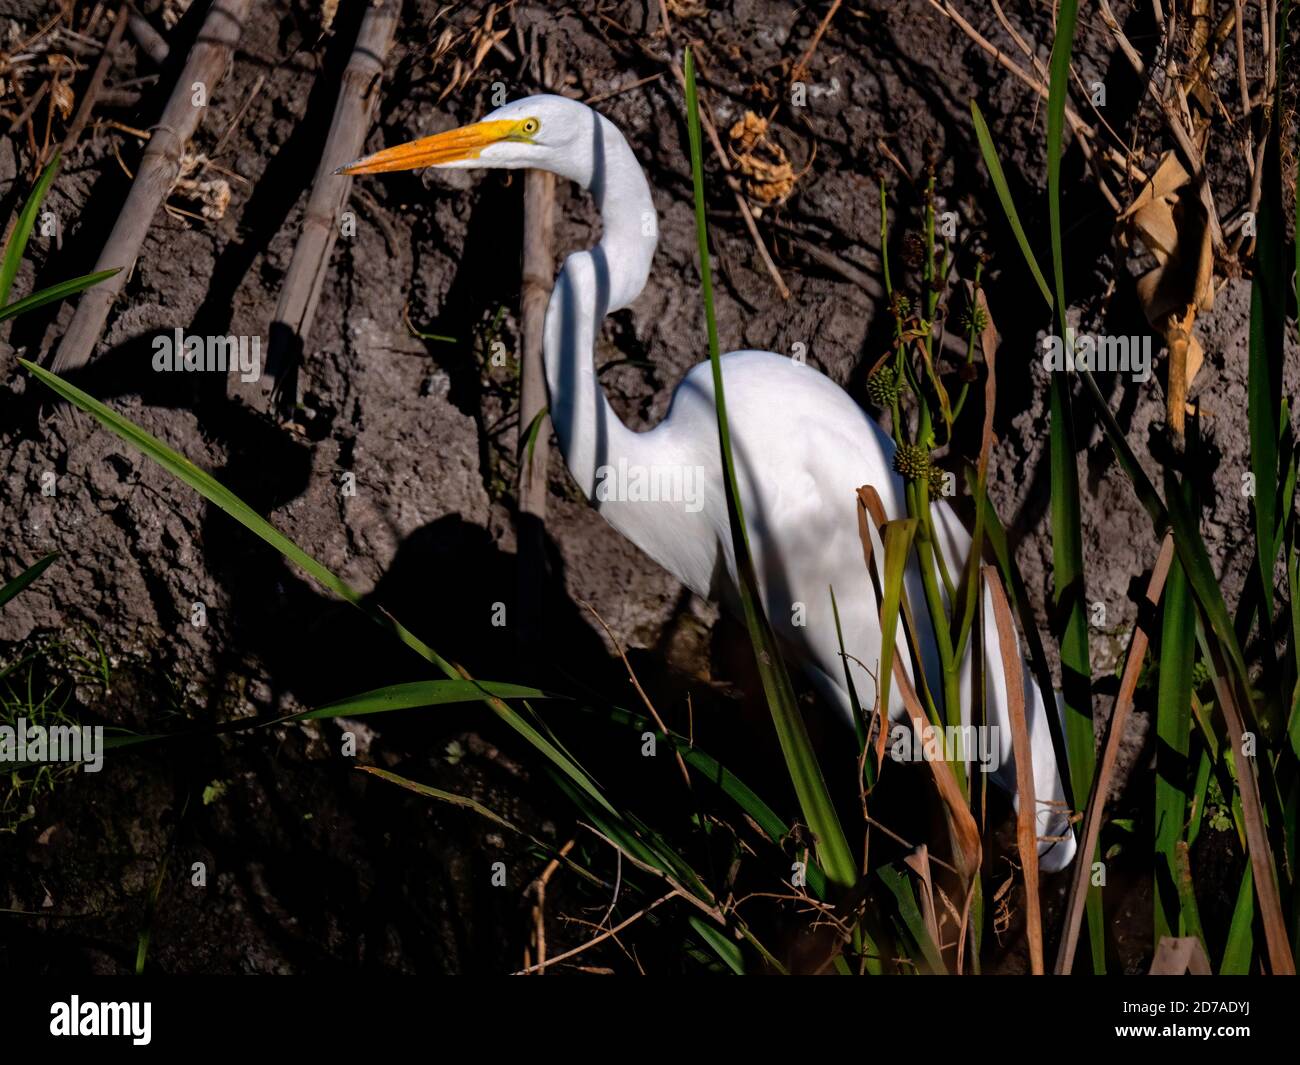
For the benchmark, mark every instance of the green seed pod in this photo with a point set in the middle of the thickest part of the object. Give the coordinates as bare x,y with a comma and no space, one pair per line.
975,318
913,462
882,387
935,484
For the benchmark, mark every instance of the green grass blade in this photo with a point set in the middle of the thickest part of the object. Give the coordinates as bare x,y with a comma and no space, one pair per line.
805,773
528,444
220,496
722,945
488,814
1173,729
1264,381
1066,512
1058,90
22,230
999,179
912,925
26,577
1146,492
713,771
1191,915
415,694
1240,947
61,291
855,704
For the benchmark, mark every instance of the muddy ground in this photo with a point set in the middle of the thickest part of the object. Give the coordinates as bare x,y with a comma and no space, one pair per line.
311,865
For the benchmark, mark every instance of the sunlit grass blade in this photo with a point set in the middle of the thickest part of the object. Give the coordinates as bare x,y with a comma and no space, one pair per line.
220,496
26,577
805,773
61,291
17,243
725,947
999,179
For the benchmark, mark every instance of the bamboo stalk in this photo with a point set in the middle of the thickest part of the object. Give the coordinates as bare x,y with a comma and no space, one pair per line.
538,278
153,43
300,294
159,168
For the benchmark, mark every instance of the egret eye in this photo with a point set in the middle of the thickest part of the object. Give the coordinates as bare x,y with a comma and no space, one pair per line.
530,126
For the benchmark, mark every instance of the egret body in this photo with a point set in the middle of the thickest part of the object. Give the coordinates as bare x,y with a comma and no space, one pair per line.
802,446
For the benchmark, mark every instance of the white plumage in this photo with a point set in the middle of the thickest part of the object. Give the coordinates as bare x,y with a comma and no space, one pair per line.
802,446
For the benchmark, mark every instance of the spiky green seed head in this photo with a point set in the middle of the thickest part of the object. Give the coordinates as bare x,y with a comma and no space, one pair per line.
882,387
912,462
900,305
974,318
936,482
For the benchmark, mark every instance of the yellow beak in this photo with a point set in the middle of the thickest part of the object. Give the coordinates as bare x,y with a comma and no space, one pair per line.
450,147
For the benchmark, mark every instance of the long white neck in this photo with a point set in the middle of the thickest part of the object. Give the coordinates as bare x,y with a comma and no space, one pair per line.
592,284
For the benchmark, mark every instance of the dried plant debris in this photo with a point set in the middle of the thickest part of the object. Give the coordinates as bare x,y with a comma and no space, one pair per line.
209,197
1169,219
769,179
173,11
465,49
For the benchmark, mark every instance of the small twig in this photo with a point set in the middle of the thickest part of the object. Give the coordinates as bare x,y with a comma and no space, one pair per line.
154,43
539,906
645,699
96,85
600,938
24,116
706,120
800,69
239,115
706,908
1078,126
619,92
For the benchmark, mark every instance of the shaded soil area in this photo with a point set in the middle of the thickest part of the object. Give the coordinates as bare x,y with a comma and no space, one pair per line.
306,863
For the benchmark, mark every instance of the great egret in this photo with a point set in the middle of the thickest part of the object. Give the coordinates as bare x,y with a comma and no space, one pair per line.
802,446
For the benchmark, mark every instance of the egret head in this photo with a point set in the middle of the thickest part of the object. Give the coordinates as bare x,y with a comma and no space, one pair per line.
544,132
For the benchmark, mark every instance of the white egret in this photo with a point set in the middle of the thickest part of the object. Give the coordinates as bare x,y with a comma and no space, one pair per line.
802,445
